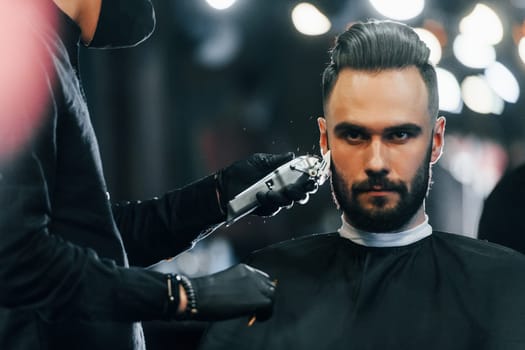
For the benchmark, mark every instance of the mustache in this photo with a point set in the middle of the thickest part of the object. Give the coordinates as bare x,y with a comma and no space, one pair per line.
372,183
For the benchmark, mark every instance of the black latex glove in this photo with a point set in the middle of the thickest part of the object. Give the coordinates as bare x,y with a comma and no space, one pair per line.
242,174
238,291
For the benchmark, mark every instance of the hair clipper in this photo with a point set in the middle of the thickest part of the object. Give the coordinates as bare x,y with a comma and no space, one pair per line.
299,170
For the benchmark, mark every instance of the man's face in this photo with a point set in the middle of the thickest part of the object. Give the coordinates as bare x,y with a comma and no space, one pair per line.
380,135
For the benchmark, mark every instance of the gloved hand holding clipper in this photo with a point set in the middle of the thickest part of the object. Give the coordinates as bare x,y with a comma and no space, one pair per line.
245,186
242,174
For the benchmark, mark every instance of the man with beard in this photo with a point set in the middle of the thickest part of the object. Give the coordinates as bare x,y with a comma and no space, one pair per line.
65,250
385,280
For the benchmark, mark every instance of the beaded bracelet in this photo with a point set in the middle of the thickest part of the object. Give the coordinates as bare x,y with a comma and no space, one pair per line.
185,282
173,300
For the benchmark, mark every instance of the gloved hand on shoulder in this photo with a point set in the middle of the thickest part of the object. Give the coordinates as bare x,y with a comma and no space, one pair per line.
240,290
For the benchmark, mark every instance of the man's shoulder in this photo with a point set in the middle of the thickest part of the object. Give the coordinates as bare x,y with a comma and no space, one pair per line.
467,242
480,250
488,269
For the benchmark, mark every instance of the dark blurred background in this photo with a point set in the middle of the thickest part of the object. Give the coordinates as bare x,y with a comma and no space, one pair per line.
213,86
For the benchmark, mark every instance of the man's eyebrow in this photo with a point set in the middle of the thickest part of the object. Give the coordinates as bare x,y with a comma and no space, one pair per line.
346,126
407,127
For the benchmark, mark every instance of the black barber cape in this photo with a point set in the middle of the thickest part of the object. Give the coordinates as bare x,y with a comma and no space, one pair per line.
443,292
64,248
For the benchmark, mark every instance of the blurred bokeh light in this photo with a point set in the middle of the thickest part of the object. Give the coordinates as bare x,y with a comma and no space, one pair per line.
399,10
308,20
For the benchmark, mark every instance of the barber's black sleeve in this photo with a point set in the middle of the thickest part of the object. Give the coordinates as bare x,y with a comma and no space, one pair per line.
48,265
163,227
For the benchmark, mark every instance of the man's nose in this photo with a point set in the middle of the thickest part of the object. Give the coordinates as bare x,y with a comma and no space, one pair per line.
377,158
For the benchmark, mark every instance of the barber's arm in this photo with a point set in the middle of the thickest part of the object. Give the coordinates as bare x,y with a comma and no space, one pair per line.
161,228
44,273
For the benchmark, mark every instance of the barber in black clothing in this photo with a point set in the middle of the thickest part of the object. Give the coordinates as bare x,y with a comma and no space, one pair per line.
65,251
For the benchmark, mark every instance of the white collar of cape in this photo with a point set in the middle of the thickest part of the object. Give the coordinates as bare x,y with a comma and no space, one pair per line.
393,239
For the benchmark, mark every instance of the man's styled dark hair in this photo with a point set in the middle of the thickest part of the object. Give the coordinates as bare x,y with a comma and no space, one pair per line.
377,46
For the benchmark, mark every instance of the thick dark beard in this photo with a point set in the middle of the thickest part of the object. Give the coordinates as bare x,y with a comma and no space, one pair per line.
383,220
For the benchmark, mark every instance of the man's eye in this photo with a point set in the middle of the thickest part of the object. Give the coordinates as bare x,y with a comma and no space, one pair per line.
353,135
399,136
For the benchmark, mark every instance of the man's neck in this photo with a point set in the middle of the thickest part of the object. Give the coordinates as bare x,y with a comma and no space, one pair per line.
416,229
85,13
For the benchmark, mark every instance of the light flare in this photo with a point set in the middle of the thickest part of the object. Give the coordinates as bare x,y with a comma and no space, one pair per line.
24,72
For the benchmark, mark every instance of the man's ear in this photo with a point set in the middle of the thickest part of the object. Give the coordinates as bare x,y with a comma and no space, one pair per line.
438,139
323,135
